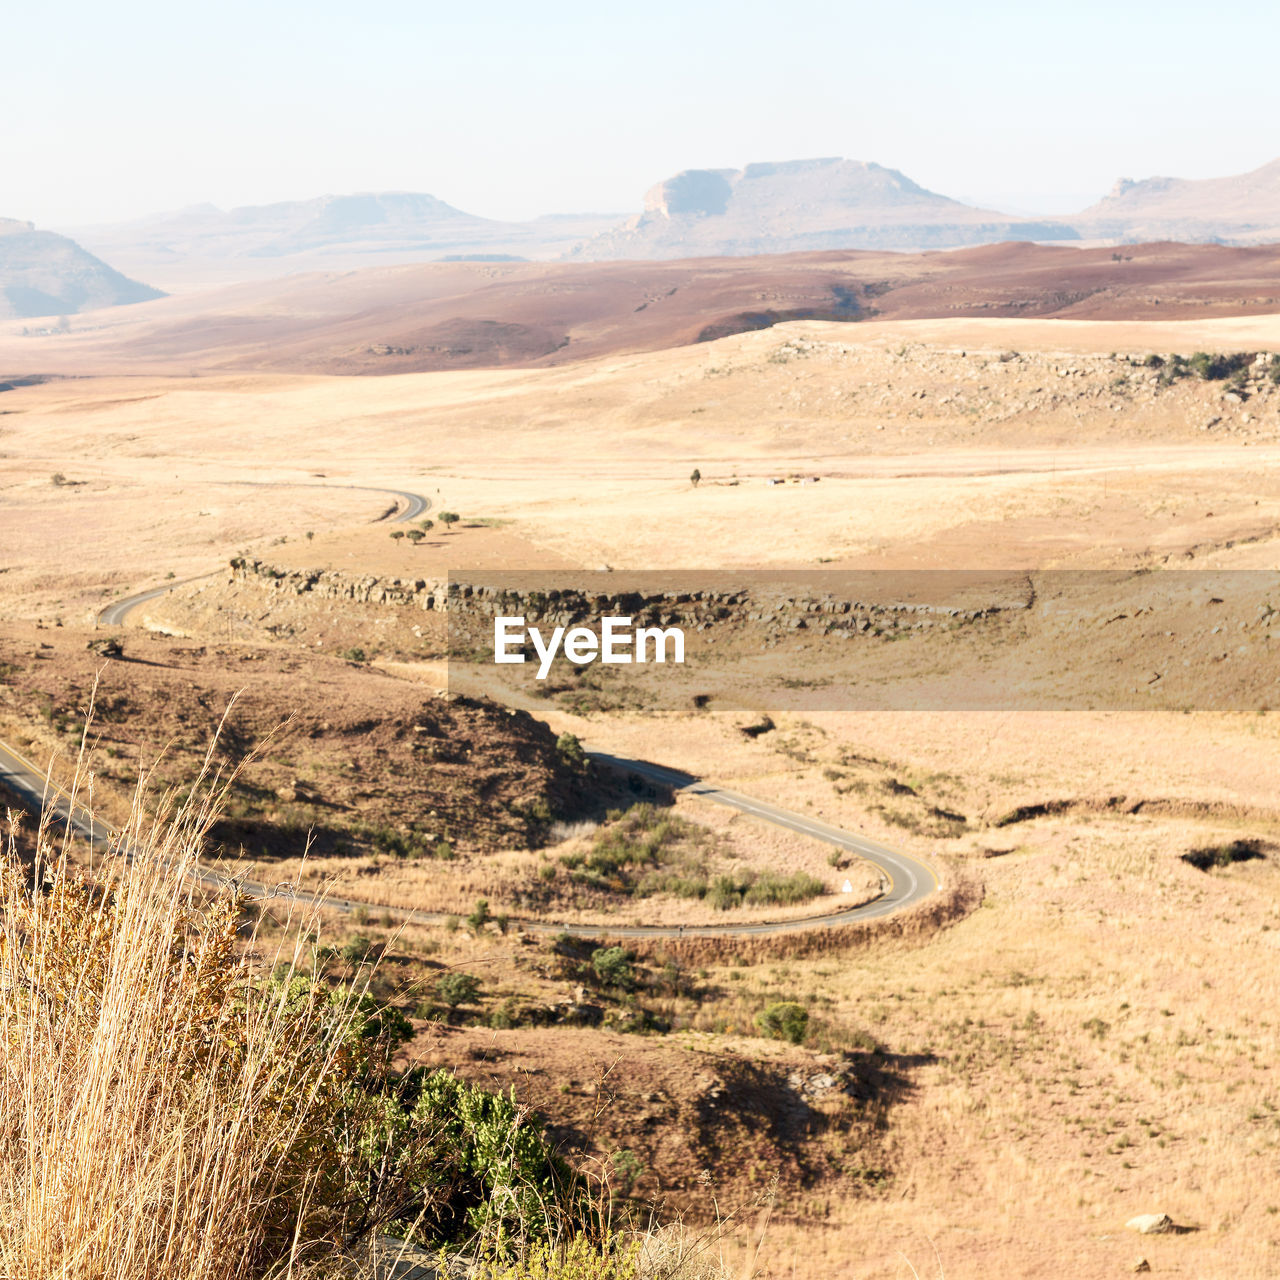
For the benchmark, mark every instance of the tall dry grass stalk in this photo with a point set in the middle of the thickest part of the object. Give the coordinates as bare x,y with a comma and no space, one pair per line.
159,1102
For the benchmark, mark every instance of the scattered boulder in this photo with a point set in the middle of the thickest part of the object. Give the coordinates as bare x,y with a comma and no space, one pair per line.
1151,1224
1141,1265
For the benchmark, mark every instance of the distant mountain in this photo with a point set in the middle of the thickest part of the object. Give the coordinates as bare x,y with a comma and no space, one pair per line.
803,205
207,245
45,274
1244,209
784,207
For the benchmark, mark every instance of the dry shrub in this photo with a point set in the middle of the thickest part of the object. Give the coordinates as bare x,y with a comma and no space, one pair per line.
162,1108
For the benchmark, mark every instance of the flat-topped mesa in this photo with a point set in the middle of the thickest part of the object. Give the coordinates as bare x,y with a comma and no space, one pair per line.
794,206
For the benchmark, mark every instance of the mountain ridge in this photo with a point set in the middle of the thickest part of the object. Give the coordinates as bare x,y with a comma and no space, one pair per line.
764,208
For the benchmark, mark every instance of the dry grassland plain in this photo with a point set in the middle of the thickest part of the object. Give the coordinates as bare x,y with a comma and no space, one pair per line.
1095,1040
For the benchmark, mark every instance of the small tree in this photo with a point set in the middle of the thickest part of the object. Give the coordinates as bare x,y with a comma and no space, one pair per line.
311,533
455,989
613,967
426,525
397,534
569,748
695,477
416,536
480,916
449,519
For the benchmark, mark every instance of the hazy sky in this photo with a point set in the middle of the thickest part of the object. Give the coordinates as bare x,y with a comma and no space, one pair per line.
115,109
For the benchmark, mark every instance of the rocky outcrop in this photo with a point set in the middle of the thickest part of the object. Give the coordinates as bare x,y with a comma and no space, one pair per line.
760,604
328,584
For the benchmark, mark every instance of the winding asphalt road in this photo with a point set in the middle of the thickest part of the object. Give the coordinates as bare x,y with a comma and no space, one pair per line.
904,880
414,505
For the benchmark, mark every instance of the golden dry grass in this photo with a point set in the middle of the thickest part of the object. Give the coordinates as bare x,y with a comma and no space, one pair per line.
152,1100
592,461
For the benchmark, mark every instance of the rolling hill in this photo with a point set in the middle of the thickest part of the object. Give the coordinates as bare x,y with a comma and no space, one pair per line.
471,315
45,274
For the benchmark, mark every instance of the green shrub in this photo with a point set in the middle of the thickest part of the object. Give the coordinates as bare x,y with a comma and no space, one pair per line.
784,1020
505,1016
726,892
1214,368
466,1165
454,989
613,967
773,889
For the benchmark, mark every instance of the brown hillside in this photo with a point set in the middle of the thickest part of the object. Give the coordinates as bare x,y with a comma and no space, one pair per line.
486,315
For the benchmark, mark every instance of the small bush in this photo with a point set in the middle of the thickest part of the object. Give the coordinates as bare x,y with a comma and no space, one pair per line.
1223,855
569,748
784,1020
613,967
505,1016
726,891
772,889
1215,368
454,989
